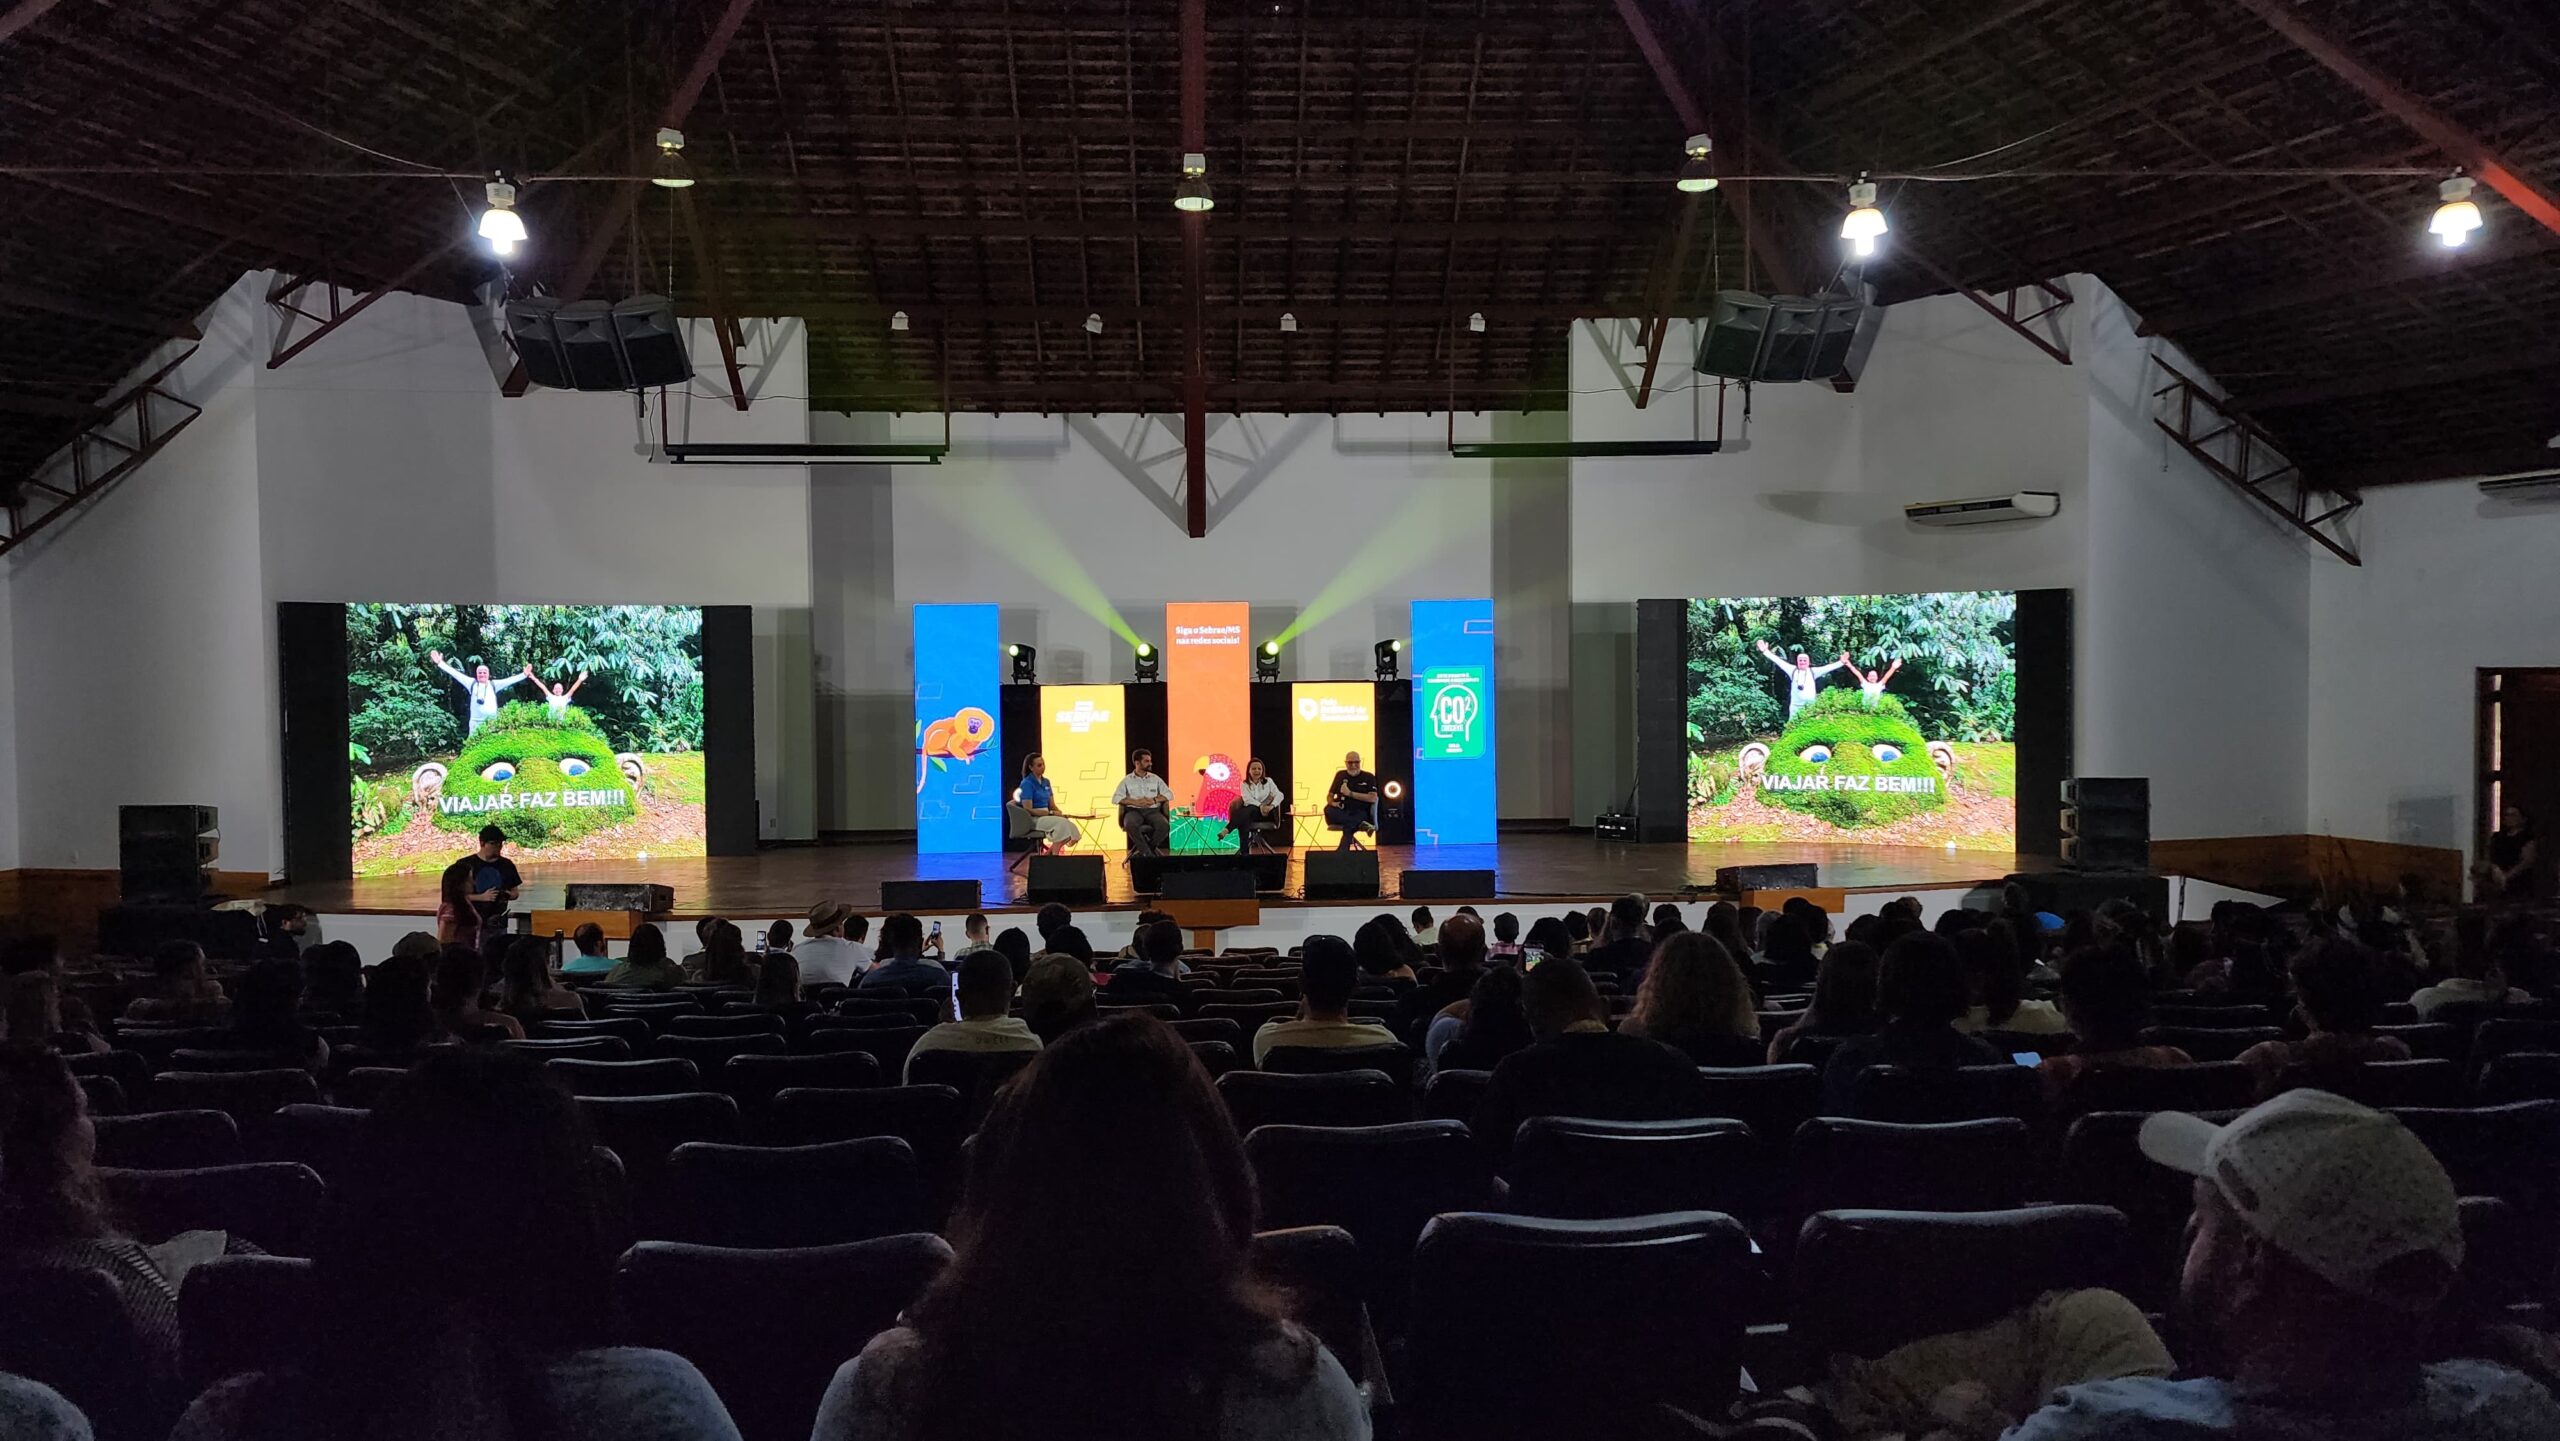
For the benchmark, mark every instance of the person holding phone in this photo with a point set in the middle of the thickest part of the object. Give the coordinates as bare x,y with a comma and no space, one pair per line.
903,966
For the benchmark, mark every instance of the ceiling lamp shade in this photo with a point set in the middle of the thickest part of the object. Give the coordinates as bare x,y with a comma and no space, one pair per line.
2458,216
499,224
670,171
1192,196
1864,225
1698,172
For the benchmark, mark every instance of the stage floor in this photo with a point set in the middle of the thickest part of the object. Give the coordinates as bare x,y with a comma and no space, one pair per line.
785,880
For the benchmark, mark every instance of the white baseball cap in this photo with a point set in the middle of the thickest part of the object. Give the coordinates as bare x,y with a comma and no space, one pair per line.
2341,1188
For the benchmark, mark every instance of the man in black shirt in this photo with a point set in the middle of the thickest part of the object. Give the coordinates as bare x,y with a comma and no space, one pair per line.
1624,947
1579,1067
489,879
1462,960
1154,973
1351,802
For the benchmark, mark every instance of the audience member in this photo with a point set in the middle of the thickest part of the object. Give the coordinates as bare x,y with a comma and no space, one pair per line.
1578,925
1920,988
1579,1067
33,1411
41,954
702,930
418,946
1051,1253
827,956
986,997
1426,933
2335,1000
1385,954
1623,946
778,984
1749,921
1070,940
1462,962
332,984
1551,938
527,992
1844,1000
1996,985
973,935
181,991
1327,975
1667,922
54,1214
1049,920
1786,961
461,977
1152,975
2508,872
1147,916
1016,948
266,1017
592,958
777,939
1724,922
2477,983
902,964
2106,996
1695,1001
724,959
2324,1238
425,1326
1506,937
645,964
1057,995
32,1014
398,1017
1476,1033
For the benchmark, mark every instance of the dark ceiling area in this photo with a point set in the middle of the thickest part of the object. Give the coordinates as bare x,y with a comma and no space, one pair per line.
2253,176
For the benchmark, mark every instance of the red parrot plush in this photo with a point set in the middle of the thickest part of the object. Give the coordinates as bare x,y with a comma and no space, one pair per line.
1221,783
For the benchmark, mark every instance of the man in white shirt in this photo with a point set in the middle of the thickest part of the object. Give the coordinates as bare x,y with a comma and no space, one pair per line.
1804,678
826,957
1146,806
986,995
1260,808
973,937
478,686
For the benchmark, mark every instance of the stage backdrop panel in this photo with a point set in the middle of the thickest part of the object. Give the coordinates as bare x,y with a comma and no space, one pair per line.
1084,735
959,669
1208,677
1453,762
1328,720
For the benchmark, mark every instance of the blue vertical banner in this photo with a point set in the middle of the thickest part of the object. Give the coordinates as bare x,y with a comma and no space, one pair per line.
1453,760
959,671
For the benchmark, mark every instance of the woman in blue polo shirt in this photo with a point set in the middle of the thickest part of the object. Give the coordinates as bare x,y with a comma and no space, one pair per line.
1035,795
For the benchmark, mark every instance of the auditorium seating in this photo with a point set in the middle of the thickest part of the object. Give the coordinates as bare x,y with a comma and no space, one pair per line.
246,1313
755,1080
1336,1098
1948,1272
1580,1169
69,1329
767,1196
1380,1183
168,1140
665,1076
272,1204
321,1137
574,1048
1837,1163
1393,1061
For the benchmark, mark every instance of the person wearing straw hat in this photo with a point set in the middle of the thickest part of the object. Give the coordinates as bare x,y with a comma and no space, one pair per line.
825,956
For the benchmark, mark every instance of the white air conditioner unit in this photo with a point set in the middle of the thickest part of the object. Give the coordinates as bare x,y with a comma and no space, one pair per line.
2524,485
1986,510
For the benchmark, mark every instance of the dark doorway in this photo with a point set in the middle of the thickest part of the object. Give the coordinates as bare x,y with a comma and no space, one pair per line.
2519,731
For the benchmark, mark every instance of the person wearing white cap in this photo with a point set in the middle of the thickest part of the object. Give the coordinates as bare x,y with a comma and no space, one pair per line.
2325,1236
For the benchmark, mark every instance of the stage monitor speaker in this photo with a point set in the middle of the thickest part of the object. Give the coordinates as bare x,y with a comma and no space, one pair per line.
1154,875
1234,884
1793,876
1779,337
165,854
1342,875
2106,823
2063,892
944,896
640,896
1070,880
1446,885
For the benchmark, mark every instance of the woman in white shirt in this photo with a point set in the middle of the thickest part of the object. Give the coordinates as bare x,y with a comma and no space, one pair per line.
1260,806
1066,1240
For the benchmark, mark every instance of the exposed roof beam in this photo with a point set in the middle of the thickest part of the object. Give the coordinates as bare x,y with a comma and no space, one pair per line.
2422,263
23,297
22,15
51,408
925,314
1166,227
2442,465
172,211
2387,378
1867,79
2467,148
1740,135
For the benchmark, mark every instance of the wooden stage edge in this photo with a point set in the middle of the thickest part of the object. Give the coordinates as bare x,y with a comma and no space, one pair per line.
1542,868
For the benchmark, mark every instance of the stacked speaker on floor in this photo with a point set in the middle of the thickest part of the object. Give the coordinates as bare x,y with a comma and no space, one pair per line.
2106,823
166,853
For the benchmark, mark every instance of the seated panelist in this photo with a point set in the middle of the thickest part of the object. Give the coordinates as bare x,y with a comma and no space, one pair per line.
1146,806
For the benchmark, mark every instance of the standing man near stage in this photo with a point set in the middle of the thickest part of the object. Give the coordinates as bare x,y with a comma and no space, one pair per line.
1259,806
1146,805
483,882
1351,802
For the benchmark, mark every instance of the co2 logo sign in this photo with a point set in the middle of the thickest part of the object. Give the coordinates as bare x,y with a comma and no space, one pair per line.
1453,714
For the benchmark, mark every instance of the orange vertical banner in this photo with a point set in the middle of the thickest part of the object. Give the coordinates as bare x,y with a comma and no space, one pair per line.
1208,673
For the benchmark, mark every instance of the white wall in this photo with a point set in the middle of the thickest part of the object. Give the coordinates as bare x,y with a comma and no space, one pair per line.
2194,613
8,733
2452,583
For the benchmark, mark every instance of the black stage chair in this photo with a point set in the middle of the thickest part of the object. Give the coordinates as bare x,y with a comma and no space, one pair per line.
710,1053
248,1096
666,1076
756,1080
1383,1184
2207,1086
1318,1274
1838,1164
1341,1098
68,1327
1966,1093
1454,1095
632,1031
321,1137
765,1196
731,1023
1392,1060
274,1205
643,1131
2382,1084
1772,1100
1864,1282
168,1140
364,1085
2519,1076
246,1313
976,1075
1580,1169
1216,1057
2216,1044
572,1048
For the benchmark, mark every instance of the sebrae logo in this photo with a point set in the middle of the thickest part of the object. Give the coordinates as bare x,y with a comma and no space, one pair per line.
1082,717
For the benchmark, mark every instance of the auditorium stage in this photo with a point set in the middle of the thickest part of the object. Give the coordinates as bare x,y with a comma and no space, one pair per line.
1549,868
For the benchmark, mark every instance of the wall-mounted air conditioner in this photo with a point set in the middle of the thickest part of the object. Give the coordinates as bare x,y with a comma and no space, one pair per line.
1988,509
2525,485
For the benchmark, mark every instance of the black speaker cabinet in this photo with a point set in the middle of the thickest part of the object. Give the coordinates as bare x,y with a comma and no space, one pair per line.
165,854
2106,823
1232,884
641,896
1070,880
1445,885
1789,877
1342,875
1155,875
1779,337
945,896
